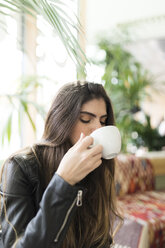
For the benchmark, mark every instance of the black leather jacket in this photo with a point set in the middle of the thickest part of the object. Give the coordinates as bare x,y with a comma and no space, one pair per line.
41,218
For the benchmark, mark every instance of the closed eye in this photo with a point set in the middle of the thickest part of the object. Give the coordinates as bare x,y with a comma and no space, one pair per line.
87,117
84,121
103,121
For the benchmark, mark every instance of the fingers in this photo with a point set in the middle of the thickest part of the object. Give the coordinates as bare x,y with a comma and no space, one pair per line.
96,150
82,136
98,163
95,162
86,142
97,158
79,161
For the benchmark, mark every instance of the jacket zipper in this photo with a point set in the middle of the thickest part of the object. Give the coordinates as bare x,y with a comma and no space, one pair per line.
78,201
79,198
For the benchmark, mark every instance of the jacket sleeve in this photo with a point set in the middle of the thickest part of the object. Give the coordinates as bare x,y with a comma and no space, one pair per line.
45,228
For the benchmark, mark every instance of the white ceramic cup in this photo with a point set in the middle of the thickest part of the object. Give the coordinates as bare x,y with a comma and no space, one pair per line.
109,137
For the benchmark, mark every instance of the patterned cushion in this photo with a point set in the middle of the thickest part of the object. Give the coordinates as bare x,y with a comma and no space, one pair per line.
133,174
147,207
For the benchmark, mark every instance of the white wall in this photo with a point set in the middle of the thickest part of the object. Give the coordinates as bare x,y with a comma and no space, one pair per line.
101,15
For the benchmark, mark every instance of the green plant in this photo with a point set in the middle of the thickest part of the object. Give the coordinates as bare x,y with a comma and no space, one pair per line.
54,12
125,81
147,136
19,103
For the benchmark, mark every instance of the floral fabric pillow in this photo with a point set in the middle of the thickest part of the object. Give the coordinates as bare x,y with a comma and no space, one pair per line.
133,174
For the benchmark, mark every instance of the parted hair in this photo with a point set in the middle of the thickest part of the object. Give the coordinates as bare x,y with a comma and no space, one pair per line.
92,224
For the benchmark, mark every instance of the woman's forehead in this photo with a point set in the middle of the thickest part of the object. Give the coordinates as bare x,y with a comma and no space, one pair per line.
95,106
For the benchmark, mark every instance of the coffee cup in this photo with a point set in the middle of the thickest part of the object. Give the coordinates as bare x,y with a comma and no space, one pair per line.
109,137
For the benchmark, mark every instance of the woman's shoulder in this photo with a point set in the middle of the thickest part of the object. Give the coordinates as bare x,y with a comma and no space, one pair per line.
27,162
20,169
24,161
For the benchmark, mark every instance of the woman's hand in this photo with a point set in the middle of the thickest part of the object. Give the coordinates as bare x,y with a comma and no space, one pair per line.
79,161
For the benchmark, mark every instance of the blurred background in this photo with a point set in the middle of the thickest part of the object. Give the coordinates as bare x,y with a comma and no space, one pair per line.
120,44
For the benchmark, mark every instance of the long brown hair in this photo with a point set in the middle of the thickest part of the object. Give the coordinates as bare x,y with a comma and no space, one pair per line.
93,222
92,225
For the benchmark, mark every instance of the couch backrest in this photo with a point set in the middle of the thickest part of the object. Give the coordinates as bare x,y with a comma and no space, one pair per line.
133,174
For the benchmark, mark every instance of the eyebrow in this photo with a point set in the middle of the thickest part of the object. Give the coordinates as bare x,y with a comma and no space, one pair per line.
91,114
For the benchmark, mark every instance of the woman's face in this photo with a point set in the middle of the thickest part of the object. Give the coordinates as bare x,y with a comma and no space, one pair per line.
93,115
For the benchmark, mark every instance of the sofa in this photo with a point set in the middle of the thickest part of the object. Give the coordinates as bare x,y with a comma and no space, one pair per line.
139,203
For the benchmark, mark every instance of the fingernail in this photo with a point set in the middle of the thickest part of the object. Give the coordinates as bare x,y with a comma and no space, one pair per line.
81,135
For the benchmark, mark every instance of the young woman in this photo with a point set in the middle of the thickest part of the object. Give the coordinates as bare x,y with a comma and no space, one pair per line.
60,193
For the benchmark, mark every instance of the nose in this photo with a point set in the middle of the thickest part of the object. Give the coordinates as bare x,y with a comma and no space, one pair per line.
96,125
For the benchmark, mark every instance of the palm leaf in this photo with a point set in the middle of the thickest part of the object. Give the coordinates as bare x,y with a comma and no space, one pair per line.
25,107
7,129
52,11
